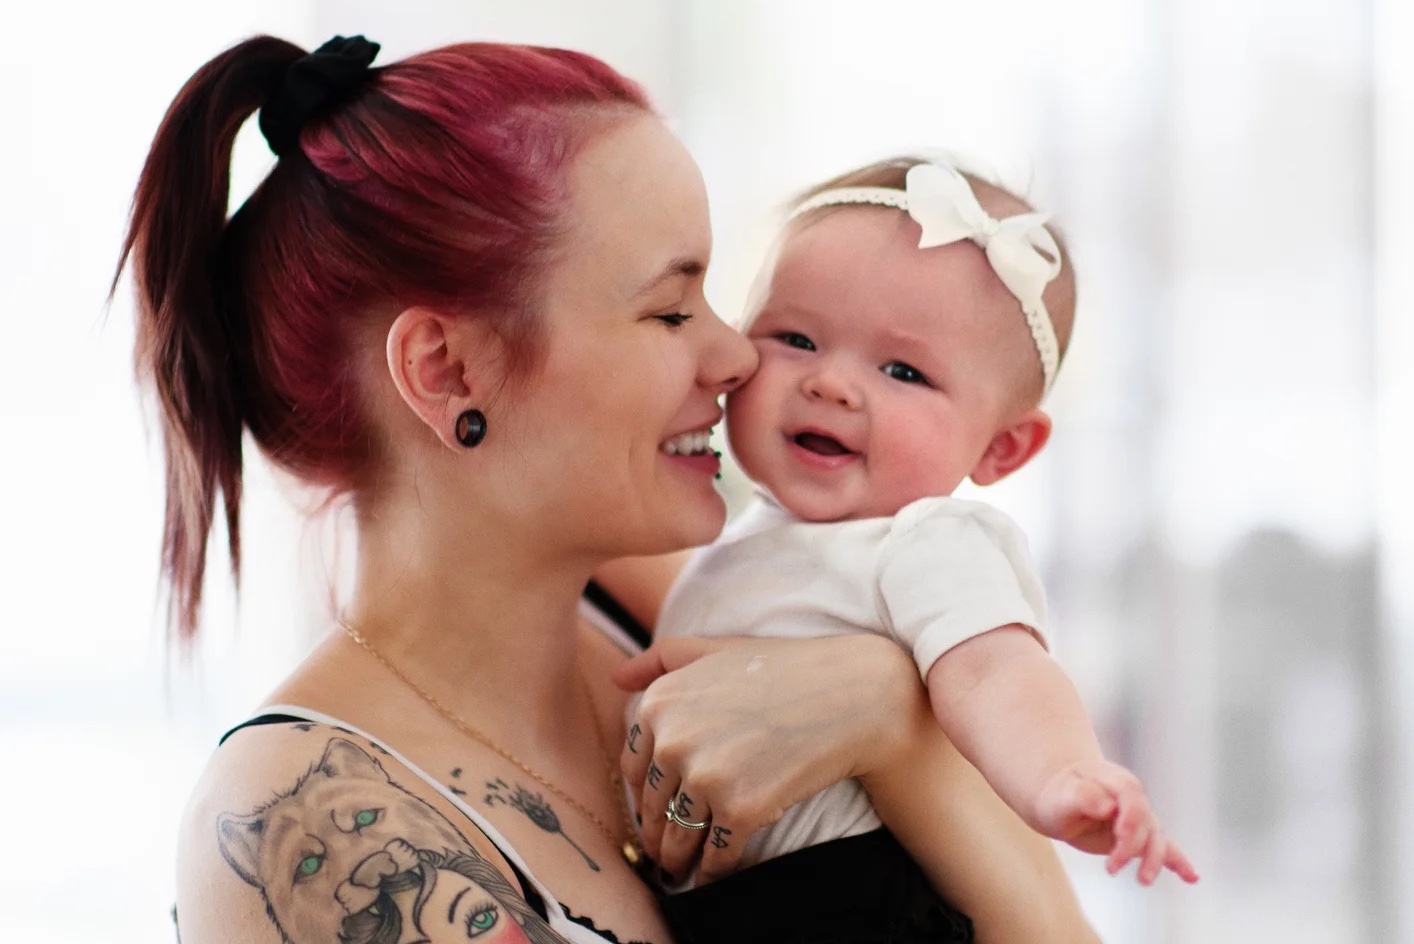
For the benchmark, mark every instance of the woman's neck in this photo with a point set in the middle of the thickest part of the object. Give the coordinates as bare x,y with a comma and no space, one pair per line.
487,625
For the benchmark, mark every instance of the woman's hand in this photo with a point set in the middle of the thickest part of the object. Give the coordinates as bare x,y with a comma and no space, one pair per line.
736,731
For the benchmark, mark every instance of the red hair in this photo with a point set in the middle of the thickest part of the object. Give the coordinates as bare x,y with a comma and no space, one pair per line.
440,182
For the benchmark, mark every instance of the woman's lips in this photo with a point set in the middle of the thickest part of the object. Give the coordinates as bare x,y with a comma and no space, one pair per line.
705,462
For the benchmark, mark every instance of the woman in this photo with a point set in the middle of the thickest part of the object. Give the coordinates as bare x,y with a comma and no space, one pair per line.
467,300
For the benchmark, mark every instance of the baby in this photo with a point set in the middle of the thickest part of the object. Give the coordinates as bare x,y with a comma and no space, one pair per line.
909,326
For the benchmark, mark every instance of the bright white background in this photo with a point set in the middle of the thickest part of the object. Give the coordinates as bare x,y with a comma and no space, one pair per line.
1223,517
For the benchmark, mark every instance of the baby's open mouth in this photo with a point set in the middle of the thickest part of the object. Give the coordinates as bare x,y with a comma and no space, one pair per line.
821,445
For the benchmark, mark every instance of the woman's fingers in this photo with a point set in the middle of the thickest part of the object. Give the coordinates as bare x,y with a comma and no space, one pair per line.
722,848
664,656
725,840
753,726
658,788
636,755
687,822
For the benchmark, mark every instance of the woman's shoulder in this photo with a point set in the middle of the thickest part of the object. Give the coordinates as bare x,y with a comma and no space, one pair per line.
303,831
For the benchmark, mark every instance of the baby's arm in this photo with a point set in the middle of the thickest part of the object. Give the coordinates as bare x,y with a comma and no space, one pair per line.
1011,711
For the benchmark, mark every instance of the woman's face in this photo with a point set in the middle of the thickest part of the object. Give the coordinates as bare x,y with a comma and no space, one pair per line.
610,433
456,909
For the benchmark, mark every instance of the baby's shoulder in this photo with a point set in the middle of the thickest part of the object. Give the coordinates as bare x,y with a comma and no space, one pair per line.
945,515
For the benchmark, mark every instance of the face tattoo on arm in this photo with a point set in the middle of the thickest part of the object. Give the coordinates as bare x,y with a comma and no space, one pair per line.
348,855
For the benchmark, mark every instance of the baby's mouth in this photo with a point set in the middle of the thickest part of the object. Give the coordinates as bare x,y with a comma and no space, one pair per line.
821,444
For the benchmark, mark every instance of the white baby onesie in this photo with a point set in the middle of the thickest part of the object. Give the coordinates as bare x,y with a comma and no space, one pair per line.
939,572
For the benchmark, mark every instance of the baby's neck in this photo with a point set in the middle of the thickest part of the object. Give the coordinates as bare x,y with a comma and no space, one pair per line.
886,511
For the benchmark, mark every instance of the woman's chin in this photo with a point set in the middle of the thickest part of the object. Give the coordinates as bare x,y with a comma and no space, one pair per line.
694,522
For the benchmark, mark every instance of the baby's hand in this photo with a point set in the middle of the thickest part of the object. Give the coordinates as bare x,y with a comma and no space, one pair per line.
1100,807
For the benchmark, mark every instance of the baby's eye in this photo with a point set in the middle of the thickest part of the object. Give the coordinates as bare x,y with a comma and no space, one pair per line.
364,818
905,372
481,921
795,339
675,319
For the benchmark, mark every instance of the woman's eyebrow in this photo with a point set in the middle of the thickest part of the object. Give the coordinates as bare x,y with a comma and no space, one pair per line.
452,908
682,266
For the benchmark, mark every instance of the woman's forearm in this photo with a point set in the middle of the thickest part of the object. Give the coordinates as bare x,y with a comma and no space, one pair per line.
975,850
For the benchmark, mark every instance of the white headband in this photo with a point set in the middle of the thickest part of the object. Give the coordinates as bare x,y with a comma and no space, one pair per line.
941,201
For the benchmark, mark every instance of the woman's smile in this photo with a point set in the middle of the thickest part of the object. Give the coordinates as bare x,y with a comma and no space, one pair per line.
693,450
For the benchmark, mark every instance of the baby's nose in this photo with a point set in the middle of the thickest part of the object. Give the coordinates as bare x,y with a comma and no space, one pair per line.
832,386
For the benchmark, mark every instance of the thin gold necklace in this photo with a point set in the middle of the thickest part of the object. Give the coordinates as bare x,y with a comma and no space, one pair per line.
628,844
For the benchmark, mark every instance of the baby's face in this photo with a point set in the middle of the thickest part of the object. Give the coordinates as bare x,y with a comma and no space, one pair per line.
884,368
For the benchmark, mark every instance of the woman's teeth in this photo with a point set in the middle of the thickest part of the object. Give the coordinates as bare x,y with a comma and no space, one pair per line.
688,444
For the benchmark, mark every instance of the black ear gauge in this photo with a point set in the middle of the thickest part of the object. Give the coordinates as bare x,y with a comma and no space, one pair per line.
471,428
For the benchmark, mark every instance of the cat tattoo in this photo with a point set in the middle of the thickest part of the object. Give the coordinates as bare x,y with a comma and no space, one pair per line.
336,856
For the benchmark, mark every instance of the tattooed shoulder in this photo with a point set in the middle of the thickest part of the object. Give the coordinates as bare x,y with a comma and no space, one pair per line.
336,847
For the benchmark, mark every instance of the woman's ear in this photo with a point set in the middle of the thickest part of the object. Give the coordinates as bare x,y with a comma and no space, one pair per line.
442,366
1013,447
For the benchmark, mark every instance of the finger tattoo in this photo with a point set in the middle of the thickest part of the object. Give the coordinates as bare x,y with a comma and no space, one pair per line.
633,735
719,836
655,775
684,804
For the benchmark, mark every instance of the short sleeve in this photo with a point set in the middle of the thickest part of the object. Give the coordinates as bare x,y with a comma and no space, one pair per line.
951,569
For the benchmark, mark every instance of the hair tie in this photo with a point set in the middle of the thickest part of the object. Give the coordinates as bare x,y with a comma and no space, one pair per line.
313,85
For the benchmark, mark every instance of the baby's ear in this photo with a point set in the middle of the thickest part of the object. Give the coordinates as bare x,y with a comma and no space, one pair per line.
1013,447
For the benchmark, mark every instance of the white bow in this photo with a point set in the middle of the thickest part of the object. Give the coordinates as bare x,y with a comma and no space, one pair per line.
942,202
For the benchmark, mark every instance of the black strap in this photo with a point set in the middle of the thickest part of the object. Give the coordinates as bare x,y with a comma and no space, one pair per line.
614,610
258,720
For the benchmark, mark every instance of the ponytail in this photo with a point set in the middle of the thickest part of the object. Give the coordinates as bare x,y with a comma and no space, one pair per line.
436,181
190,343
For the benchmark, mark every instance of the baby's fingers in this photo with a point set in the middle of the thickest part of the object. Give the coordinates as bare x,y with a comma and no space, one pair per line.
1154,853
1134,823
1091,800
1126,847
1163,853
1176,862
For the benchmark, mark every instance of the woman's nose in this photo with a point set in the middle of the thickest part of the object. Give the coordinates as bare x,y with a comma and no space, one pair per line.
730,359
830,383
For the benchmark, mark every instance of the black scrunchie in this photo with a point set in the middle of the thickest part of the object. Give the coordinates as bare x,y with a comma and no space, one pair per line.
314,85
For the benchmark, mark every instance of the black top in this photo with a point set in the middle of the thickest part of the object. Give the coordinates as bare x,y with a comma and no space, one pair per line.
859,890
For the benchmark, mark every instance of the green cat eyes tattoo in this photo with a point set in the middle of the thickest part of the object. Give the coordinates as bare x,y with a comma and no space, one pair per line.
346,854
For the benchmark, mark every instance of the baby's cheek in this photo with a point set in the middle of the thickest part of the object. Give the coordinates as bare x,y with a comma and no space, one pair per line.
919,464
746,420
